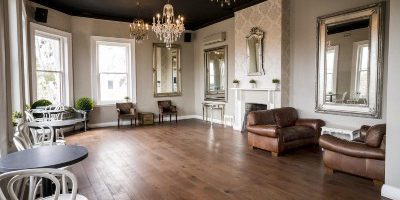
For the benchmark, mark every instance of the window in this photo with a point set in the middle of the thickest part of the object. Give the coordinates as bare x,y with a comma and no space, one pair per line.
52,74
331,69
362,69
112,64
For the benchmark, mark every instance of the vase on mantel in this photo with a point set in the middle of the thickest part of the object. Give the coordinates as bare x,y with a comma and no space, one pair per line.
253,85
235,85
276,85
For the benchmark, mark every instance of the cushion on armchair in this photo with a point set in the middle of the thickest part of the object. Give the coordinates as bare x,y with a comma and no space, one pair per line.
285,117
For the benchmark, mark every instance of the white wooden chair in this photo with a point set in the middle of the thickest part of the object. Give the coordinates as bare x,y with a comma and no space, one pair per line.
36,175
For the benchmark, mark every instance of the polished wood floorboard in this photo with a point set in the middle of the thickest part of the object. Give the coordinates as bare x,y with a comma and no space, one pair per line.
194,160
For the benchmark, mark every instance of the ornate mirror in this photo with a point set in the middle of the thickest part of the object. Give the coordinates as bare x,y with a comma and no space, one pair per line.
216,73
350,62
166,70
254,43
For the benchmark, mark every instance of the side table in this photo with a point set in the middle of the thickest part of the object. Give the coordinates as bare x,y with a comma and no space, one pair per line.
146,118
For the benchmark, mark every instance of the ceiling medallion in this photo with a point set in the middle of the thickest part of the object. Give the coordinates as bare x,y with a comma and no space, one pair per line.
138,29
167,28
223,2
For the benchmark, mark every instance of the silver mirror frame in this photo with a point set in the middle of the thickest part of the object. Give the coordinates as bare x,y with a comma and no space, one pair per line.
179,72
258,34
375,12
206,87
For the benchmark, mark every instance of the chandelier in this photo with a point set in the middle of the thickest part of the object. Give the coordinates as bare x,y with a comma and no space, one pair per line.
138,29
167,28
227,2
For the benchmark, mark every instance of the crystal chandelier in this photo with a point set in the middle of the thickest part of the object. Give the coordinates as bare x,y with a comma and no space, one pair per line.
138,29
167,28
227,2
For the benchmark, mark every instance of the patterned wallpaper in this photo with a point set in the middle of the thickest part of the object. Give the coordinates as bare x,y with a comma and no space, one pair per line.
268,17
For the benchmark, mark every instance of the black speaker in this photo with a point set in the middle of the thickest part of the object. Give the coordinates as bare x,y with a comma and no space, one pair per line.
188,37
41,15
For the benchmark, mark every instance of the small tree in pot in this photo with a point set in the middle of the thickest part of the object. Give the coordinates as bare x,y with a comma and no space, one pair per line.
253,83
276,82
85,104
236,83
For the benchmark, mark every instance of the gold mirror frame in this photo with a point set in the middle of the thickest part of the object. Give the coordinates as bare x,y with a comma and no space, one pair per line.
207,94
179,73
375,12
257,34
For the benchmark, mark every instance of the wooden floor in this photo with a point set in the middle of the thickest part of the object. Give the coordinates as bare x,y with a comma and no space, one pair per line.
193,160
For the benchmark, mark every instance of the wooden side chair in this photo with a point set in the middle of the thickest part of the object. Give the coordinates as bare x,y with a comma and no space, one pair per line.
126,111
166,108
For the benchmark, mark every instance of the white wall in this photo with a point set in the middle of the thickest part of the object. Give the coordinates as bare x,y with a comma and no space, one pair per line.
227,26
303,36
392,167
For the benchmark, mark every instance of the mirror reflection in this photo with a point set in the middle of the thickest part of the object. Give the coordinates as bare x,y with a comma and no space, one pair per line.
347,62
216,74
254,42
166,70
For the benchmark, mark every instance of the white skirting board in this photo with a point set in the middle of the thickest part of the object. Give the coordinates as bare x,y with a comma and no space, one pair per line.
390,192
228,122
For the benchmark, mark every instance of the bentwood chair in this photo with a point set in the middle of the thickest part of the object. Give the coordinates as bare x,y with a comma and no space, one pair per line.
166,108
15,179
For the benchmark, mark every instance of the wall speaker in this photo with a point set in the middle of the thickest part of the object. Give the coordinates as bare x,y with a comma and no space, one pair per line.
188,37
41,15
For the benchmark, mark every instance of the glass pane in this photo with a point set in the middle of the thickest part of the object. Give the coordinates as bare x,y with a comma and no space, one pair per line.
49,86
113,87
363,84
329,83
364,58
330,61
48,55
112,58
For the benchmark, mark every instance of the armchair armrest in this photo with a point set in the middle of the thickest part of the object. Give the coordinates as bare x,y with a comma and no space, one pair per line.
118,111
264,130
316,124
133,111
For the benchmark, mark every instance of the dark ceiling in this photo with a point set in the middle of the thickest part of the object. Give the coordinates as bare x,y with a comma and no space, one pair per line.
197,13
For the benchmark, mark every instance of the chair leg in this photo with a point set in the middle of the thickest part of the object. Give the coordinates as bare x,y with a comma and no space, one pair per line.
176,117
118,122
170,117
274,154
328,171
377,182
135,122
131,122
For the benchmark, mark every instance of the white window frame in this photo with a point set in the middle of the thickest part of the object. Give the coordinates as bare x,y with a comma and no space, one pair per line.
66,65
335,48
130,43
356,51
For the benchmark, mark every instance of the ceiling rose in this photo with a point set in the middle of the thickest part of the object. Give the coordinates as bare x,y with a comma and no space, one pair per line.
167,28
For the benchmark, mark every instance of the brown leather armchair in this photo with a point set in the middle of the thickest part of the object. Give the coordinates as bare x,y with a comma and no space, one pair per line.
126,111
166,108
279,130
364,156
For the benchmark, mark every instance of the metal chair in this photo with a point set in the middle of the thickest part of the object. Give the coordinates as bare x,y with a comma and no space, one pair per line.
16,177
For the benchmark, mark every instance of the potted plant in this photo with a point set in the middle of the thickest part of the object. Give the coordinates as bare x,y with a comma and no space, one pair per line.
41,103
127,98
236,83
17,118
276,82
253,83
85,103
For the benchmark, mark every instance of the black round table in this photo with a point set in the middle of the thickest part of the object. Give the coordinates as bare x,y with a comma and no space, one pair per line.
55,156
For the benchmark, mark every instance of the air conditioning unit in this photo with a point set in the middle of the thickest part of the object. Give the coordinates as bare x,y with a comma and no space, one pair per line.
214,38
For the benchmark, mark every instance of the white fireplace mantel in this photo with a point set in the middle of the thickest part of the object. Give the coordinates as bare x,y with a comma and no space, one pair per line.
240,98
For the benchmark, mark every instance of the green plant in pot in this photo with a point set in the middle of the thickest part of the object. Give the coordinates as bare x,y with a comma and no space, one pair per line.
16,118
276,82
85,104
41,103
253,83
236,83
127,98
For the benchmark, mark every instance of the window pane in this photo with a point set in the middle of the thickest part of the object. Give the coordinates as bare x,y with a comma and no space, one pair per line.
113,87
364,58
48,55
113,58
363,84
49,86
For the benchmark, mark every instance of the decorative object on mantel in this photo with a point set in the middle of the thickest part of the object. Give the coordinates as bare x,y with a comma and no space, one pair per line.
127,98
236,83
168,29
223,2
276,82
138,29
86,104
254,43
253,83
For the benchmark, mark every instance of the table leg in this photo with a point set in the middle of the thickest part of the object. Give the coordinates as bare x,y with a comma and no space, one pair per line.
54,134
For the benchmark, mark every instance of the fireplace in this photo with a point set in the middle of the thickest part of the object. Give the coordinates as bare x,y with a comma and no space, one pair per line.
251,107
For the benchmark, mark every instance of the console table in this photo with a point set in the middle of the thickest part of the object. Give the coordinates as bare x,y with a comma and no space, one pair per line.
213,105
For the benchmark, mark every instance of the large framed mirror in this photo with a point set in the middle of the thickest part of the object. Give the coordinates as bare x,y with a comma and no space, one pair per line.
254,43
350,62
216,73
166,70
